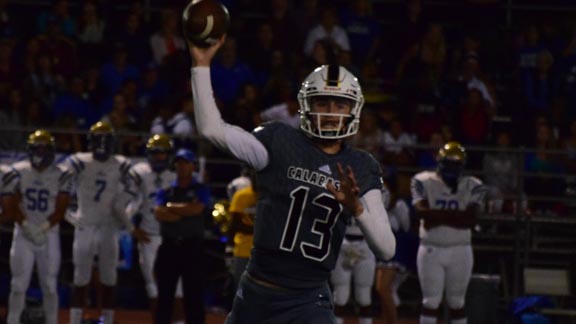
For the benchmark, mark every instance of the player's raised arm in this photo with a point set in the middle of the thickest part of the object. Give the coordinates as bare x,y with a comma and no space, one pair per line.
240,143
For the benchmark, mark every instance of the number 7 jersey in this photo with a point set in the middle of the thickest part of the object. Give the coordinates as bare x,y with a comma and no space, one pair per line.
299,225
97,184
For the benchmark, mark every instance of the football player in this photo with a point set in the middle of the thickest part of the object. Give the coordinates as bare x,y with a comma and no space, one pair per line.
149,177
38,203
446,202
99,177
356,264
310,184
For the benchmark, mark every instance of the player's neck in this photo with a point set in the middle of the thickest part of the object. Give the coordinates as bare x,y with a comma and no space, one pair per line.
329,146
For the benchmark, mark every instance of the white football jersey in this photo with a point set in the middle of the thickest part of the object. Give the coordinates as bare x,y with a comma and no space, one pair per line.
39,189
428,185
147,183
97,185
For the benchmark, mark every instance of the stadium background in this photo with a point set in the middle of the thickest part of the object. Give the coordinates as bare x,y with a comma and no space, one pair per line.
58,73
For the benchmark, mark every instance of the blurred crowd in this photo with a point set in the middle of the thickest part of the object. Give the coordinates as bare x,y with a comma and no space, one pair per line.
427,79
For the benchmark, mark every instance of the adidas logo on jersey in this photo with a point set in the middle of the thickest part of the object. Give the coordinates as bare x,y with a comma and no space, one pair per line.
325,168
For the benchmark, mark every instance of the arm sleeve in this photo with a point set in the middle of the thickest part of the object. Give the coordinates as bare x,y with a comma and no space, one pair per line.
375,225
240,143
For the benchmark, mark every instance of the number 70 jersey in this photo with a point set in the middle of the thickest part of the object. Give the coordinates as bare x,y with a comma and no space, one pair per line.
428,186
97,184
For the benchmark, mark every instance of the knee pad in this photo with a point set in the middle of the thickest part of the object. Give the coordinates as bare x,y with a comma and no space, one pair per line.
341,294
152,290
49,286
363,295
18,284
108,277
431,302
82,274
455,302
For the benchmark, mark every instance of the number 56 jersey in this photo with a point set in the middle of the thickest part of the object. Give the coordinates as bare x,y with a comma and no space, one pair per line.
299,225
39,189
429,186
97,185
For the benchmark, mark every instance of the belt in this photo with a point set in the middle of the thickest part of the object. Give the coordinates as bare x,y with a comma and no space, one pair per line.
351,237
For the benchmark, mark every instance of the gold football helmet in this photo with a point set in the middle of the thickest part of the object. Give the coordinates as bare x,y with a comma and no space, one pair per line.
451,159
158,149
101,140
41,148
452,151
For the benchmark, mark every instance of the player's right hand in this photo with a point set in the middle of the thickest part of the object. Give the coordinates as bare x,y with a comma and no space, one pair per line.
203,56
140,235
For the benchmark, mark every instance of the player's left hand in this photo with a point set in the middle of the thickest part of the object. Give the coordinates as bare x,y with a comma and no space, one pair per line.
348,195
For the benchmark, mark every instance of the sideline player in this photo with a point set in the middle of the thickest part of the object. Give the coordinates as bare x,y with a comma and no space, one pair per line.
310,184
99,178
38,204
149,177
447,204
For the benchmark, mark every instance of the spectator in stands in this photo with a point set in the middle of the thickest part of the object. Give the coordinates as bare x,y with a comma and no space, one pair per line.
173,118
180,209
135,38
328,29
246,106
284,25
11,117
91,28
167,41
59,14
364,31
287,111
370,136
73,104
258,56
115,72
8,71
421,66
229,74
60,48
547,165
474,121
426,158
44,82
501,173
8,26
151,88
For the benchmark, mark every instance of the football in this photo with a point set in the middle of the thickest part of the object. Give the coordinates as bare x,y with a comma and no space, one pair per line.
205,21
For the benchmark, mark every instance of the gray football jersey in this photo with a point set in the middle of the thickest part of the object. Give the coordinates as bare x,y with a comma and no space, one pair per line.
299,225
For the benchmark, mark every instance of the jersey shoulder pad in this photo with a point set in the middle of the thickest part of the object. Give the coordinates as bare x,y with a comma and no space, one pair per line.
425,176
472,181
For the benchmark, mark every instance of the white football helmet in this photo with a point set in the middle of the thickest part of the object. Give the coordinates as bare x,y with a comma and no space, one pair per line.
336,81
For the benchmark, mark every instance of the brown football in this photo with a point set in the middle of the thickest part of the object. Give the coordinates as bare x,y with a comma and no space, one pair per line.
205,21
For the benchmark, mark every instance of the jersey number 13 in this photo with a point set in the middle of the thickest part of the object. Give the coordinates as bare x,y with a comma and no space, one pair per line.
321,226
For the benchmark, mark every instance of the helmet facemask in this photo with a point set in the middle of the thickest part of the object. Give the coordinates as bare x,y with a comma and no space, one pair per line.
101,145
41,155
158,149
330,83
451,159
